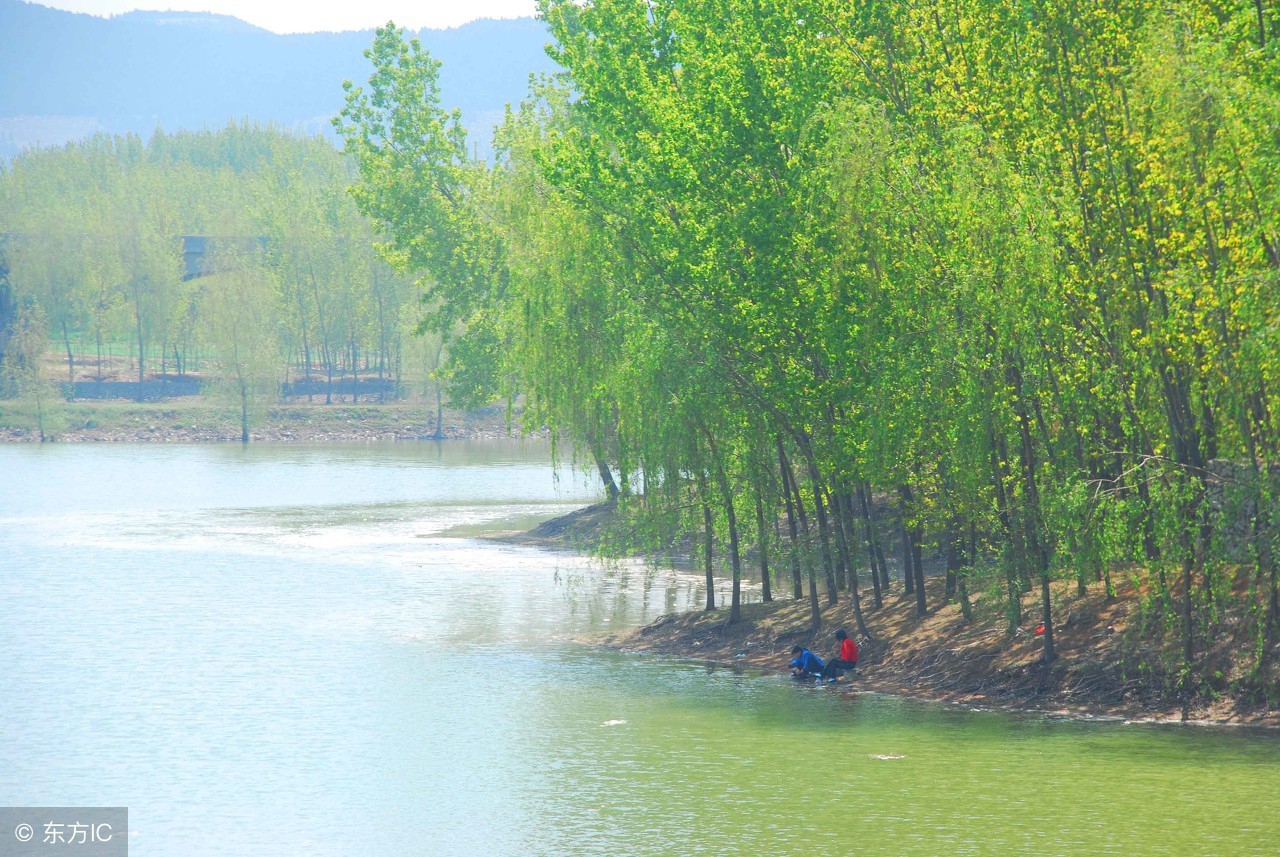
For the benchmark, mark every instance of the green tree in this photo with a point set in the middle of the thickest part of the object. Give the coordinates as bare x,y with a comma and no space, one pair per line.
239,327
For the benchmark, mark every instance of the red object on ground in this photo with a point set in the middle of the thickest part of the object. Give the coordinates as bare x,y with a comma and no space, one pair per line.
1039,630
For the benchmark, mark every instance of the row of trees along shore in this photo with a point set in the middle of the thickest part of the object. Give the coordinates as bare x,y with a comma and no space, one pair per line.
286,286
1010,268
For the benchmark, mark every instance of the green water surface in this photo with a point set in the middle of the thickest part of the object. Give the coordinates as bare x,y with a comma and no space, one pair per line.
306,650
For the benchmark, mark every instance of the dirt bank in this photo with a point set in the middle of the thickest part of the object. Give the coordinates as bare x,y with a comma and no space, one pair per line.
197,422
940,657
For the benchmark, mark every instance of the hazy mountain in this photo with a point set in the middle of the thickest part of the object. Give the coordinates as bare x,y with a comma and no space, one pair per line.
65,75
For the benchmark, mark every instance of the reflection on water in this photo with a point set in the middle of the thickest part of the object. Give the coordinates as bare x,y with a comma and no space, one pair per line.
283,650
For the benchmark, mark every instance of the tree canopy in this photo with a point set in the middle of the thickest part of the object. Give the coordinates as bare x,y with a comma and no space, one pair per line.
1007,269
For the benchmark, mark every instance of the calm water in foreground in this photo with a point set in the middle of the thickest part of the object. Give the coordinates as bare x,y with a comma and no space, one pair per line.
304,650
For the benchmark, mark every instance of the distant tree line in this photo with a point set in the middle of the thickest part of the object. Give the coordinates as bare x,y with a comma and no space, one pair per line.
287,288
1009,269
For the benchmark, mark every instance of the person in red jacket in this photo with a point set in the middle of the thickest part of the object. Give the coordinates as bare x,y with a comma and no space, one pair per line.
846,660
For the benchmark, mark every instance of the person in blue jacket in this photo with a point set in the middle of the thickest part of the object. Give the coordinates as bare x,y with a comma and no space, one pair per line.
806,663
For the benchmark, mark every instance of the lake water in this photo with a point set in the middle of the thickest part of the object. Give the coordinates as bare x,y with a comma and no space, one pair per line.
275,650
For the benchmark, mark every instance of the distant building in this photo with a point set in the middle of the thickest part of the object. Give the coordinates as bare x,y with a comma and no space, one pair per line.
200,253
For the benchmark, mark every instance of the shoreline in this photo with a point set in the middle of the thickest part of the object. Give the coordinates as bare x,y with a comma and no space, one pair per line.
676,631
203,422
937,658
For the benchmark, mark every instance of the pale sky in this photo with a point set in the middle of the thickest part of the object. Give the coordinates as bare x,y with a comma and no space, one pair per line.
306,16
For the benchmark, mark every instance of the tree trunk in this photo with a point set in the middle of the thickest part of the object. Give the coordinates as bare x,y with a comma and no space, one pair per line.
602,467
708,541
735,559
39,394
824,531
847,532
873,559
784,467
71,362
875,537
953,551
355,372
807,554
1273,602
439,435
382,343
1150,547
306,361
1036,532
1261,496
844,513
912,550
917,560
141,367
244,412
1188,613
908,571
762,531
844,557
1050,653
1013,602
326,353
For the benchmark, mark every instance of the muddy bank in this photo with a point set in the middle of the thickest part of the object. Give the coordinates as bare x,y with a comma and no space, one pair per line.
580,530
940,657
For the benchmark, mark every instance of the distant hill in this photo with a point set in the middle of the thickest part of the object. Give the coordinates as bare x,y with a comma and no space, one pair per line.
66,75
